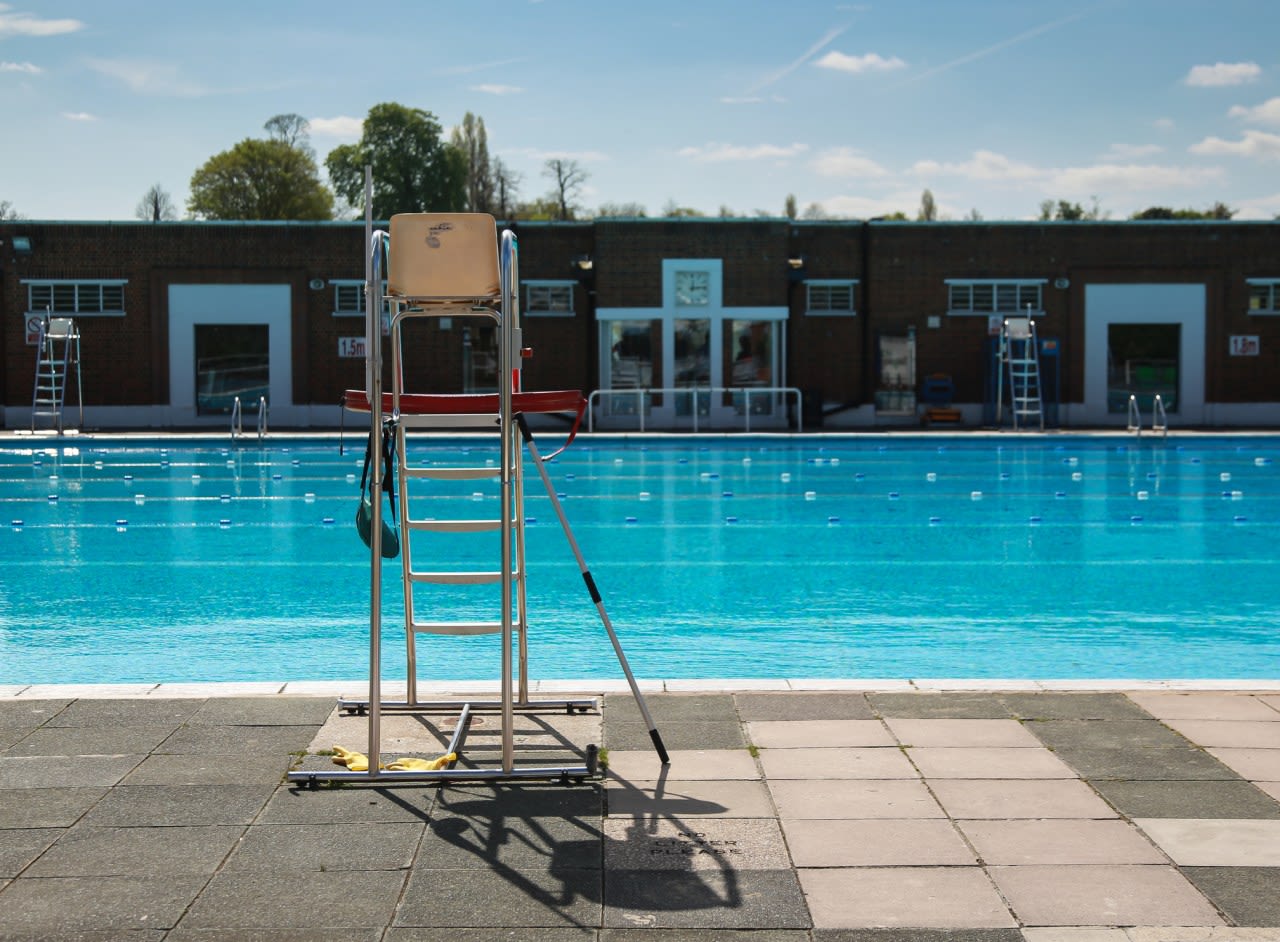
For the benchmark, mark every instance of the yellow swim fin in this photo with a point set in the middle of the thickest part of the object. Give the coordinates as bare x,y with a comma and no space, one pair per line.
409,764
355,761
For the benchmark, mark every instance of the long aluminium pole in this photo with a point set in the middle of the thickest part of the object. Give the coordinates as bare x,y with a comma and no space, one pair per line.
373,389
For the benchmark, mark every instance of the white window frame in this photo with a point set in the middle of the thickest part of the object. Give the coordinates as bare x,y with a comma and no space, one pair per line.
345,285
827,286
996,287
548,288
82,292
1267,288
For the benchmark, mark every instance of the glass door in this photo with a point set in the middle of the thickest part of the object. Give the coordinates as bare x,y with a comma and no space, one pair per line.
1142,361
692,344
232,361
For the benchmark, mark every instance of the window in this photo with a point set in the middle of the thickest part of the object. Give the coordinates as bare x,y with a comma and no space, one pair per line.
548,298
348,297
994,297
1264,295
830,297
76,297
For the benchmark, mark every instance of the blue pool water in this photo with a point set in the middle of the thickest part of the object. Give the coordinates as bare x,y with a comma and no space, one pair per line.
866,556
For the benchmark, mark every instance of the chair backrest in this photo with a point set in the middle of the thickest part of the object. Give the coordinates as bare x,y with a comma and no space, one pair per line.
444,256
1019,328
59,327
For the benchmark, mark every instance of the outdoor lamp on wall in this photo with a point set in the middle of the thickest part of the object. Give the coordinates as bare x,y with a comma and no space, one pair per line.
795,268
582,264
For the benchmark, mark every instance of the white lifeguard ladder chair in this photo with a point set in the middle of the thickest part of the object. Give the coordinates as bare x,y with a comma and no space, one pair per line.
1020,359
57,362
450,265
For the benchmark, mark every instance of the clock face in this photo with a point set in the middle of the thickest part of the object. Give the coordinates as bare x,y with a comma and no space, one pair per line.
693,288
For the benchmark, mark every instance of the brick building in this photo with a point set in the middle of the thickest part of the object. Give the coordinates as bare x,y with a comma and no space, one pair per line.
850,317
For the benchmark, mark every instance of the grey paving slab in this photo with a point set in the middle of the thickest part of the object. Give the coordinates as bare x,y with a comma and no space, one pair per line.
979,762
64,905
711,734
565,934
953,733
89,935
91,740
142,711
939,705
685,765
193,769
919,935
703,935
719,899
1106,734
263,711
178,805
274,935
1231,734
1103,896
655,843
1007,799
364,846
1183,799
86,851
529,801
673,708
1073,706
1070,841
46,807
888,842
1138,764
1247,895
803,706
297,899
352,805
454,842
20,846
12,734
1257,765
695,799
819,734
230,740
501,897
1205,706
14,712
1202,842
883,762
852,798
901,897
52,771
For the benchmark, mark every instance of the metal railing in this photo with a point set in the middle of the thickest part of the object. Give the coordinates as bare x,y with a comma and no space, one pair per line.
1135,417
780,401
1159,418
262,417
237,425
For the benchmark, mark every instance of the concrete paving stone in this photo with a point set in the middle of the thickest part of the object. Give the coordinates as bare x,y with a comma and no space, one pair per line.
221,689
86,851
700,935
1205,706
226,740
521,801
138,712
924,935
178,805
850,685
673,708
1073,706
872,843
1180,799
1231,734
1074,934
979,762
263,711
686,765
1202,934
804,706
971,706
1059,842
30,712
65,905
297,899
1272,789
20,846
704,899
817,734
1105,734
566,934
1009,799
46,807
87,691
725,799
12,734
455,842
1247,895
902,897
274,935
654,843
1222,842
708,735
1257,765
1142,764
89,935
501,897
851,763
850,798
91,740
1103,896
52,771
953,733
1272,701
209,770
348,804
364,846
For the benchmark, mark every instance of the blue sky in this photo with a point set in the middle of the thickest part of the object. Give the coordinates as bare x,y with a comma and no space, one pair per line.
994,105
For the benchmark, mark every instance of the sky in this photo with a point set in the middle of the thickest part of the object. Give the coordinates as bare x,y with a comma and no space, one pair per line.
994,106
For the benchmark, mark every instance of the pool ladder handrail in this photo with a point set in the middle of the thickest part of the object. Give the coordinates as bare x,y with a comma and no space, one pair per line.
237,425
1159,418
262,417
1135,417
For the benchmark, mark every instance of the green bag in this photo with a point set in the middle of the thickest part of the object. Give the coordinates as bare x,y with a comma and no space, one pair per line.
364,513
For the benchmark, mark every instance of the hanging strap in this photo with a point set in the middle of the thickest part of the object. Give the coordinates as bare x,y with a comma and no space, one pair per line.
388,462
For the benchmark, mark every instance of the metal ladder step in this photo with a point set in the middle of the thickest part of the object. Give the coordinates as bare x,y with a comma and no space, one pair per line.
458,578
449,474
457,627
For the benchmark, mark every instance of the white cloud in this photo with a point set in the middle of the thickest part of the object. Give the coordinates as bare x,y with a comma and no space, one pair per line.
1164,124
1222,73
752,100
493,89
79,116
343,127
1263,207
148,78
25,67
868,207
985,165
1110,178
1121,152
29,24
846,162
1257,144
827,39
724,153
1266,113
871,62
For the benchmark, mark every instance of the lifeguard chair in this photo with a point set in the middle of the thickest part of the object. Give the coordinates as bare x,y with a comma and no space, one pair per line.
451,265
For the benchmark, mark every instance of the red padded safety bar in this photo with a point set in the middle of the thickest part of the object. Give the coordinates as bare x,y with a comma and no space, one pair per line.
554,400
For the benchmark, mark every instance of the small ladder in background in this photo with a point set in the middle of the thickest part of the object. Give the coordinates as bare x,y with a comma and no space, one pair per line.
1021,353
57,357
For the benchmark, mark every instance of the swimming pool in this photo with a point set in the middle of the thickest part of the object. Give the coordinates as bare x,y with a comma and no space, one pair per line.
728,557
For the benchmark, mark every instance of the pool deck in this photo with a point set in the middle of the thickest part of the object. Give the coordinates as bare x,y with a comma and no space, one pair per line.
796,811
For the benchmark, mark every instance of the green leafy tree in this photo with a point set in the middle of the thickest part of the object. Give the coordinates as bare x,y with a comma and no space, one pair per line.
620,211
928,208
673,210
506,184
1216,211
1063,211
790,208
414,169
260,179
472,141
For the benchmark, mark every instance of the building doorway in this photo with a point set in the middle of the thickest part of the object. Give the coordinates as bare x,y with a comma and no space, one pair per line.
1142,362
233,361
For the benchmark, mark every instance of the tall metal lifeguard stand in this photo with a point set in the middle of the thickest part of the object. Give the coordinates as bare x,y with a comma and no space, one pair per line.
450,265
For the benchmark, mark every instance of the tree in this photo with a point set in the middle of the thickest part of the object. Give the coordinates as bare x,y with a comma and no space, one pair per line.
7,211
260,179
673,210
1216,211
156,205
815,211
620,211
506,183
789,208
567,177
291,129
928,209
414,170
1070,212
472,141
